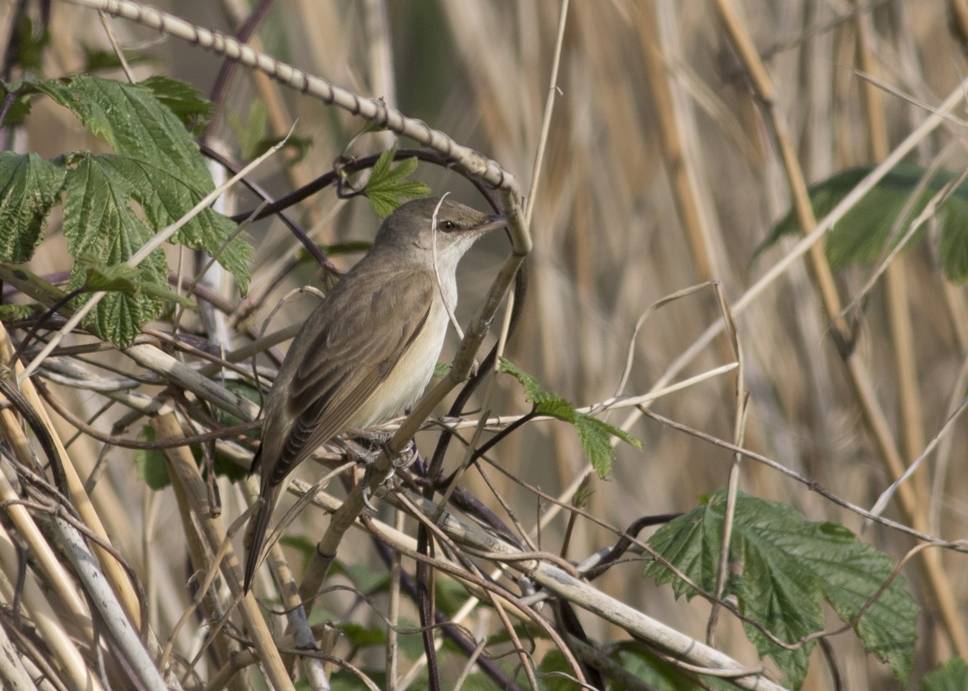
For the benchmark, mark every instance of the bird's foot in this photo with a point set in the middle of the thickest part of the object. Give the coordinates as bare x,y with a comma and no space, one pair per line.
403,459
398,461
380,490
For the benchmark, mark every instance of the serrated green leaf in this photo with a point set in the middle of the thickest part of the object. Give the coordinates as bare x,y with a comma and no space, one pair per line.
950,676
863,234
164,171
595,437
29,188
165,199
10,313
593,434
545,402
786,565
441,369
131,121
20,105
850,573
122,278
151,464
99,221
386,189
184,100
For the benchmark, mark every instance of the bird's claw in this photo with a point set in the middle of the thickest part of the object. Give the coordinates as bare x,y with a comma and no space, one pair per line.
380,491
405,458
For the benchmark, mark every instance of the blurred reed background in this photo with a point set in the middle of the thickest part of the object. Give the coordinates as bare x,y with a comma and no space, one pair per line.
662,171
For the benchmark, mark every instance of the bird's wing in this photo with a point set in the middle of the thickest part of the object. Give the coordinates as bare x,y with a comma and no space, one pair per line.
350,357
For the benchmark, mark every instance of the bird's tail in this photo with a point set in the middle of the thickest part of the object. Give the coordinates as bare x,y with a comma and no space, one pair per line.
255,536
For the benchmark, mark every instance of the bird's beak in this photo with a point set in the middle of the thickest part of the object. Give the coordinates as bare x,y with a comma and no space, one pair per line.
492,222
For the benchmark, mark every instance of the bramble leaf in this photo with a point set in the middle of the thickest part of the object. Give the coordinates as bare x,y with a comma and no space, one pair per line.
182,99
863,235
387,189
121,278
158,158
151,463
99,222
783,567
951,676
593,434
29,189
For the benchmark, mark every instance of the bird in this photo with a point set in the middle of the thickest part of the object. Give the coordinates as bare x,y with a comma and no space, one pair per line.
369,348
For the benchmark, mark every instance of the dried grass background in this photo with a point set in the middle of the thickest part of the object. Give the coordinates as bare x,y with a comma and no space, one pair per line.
662,171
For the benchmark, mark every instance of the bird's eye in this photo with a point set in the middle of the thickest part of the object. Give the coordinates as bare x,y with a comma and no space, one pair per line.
448,226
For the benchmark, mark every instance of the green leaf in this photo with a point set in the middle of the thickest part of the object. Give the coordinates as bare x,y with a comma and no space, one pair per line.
441,369
159,160
99,221
229,467
951,676
595,437
303,545
360,636
122,278
252,131
476,681
369,127
863,235
387,188
22,102
344,680
593,434
182,99
12,313
411,645
30,47
363,578
29,188
151,463
659,674
450,595
555,661
784,567
97,60
293,142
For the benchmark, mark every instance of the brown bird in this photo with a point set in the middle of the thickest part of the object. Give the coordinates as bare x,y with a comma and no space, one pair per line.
369,349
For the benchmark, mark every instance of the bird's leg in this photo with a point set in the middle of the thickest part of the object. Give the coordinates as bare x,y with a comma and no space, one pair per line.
366,445
378,441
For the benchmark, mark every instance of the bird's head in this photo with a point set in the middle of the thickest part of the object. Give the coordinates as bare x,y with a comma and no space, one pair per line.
415,227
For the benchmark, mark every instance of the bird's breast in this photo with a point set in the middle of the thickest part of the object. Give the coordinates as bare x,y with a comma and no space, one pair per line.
407,380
